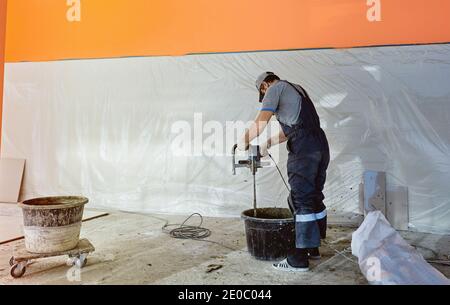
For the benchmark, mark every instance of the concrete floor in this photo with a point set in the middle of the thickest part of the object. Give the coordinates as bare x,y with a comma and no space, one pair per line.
132,249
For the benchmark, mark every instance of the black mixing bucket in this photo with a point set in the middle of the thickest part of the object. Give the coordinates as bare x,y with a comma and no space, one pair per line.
271,234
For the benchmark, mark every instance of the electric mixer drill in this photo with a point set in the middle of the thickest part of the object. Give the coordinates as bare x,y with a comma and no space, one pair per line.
253,162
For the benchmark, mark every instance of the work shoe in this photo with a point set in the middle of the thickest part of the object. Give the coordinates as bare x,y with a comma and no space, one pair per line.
313,253
285,266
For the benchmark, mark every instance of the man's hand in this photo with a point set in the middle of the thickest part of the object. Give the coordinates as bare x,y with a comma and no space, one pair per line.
277,139
242,145
263,148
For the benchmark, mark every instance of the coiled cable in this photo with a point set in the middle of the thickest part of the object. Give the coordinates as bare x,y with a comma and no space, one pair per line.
197,233
184,231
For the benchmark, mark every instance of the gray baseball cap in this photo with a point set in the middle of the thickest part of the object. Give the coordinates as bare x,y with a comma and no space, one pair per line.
259,82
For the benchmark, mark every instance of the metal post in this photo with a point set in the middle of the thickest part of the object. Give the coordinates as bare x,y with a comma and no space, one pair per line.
254,195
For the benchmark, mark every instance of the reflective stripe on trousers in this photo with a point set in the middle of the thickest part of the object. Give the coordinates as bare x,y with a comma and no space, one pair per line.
311,217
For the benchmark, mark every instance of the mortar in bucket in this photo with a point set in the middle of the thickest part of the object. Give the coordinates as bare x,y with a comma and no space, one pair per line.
52,224
270,232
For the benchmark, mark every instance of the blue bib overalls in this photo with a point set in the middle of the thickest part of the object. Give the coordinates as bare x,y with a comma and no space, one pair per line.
307,163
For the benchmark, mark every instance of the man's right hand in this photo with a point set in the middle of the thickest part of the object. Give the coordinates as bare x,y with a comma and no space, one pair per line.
242,146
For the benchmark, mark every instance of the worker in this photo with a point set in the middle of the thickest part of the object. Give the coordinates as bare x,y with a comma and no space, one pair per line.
308,158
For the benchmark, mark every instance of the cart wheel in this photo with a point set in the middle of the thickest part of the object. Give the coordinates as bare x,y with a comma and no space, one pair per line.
11,261
71,261
81,261
17,270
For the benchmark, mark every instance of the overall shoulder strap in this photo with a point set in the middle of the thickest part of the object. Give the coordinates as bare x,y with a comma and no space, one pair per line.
302,93
308,112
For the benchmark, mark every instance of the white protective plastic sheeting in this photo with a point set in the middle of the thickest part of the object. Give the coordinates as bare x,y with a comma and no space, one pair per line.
385,258
105,128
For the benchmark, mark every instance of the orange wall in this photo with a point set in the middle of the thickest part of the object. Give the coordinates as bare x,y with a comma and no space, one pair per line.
2,55
38,30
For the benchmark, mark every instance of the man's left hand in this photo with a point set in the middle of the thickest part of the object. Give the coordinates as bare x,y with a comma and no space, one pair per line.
264,148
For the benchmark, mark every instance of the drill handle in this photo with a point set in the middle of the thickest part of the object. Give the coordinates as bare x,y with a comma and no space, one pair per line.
233,153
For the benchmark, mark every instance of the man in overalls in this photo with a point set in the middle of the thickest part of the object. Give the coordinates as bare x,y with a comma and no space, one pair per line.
307,163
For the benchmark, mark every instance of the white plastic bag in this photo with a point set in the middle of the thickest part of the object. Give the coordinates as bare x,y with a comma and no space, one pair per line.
385,258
